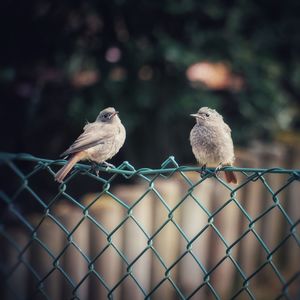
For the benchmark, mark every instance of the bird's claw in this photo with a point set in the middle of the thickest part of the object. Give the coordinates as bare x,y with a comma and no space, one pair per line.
108,165
95,168
218,168
203,170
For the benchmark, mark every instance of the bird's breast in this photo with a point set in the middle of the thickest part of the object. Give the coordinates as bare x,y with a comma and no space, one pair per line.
109,147
211,145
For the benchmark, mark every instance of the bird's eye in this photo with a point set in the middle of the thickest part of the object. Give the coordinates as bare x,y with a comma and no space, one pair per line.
106,116
207,115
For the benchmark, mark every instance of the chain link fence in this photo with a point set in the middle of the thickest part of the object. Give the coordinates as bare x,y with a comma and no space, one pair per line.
164,233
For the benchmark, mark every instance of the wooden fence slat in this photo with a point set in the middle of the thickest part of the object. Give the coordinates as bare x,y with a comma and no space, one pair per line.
167,242
227,223
193,220
135,241
51,237
108,214
70,216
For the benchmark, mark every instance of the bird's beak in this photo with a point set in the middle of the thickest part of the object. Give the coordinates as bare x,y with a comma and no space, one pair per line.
113,114
194,115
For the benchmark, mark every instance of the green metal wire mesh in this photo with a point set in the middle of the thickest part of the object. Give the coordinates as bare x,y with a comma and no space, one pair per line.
164,233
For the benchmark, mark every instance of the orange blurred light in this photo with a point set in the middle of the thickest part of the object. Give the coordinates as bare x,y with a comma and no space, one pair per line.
117,74
85,78
215,76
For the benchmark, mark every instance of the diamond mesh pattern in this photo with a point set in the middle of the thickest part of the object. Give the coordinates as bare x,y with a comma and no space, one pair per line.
145,233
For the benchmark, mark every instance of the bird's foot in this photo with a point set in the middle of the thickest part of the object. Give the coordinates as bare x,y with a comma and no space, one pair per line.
203,170
95,168
108,165
218,168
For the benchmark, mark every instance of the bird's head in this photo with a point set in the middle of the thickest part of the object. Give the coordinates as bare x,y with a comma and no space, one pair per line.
206,115
107,115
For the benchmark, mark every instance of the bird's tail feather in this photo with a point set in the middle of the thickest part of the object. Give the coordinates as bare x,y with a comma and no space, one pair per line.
63,172
230,177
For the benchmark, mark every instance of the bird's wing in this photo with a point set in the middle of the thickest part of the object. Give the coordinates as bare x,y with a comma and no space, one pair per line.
94,134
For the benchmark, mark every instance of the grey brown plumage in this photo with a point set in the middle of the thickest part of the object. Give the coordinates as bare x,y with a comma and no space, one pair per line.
100,141
63,172
211,141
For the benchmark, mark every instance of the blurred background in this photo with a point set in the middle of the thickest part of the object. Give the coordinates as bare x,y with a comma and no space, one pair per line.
156,62
62,62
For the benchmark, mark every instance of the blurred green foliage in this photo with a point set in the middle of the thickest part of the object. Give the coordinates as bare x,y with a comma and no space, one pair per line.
63,61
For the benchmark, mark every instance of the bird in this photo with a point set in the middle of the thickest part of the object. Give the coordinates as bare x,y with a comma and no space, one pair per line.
100,141
211,141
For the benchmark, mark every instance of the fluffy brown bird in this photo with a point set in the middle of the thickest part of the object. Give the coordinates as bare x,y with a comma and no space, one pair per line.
211,141
100,141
